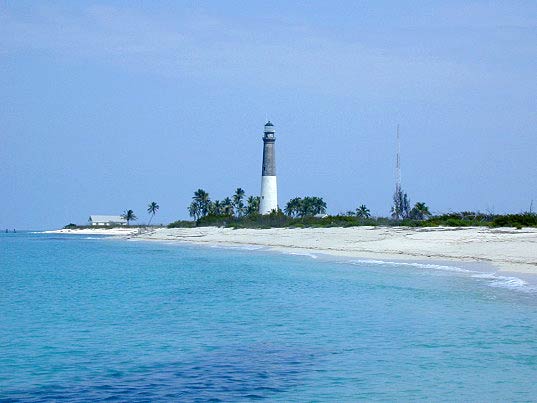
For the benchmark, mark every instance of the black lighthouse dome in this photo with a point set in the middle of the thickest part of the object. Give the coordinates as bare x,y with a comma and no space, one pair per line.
269,127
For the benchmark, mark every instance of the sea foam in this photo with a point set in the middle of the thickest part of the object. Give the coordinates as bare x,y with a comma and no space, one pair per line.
493,279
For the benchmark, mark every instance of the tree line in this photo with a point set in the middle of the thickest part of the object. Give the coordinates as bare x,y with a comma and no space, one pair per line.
238,205
305,207
234,206
243,212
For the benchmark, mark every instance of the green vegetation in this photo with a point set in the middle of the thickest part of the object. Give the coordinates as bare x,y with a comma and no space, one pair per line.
202,206
238,205
241,211
515,220
401,205
469,218
252,207
182,224
310,211
233,212
304,207
278,220
281,220
420,211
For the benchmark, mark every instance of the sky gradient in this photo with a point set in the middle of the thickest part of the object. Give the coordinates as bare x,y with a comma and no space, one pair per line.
108,106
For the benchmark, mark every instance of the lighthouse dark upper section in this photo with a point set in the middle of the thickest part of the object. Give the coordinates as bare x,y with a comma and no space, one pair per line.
269,152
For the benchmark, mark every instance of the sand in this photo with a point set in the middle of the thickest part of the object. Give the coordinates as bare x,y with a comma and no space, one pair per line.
509,250
96,231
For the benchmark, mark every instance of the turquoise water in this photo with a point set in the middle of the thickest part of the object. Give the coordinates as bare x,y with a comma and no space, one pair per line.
90,319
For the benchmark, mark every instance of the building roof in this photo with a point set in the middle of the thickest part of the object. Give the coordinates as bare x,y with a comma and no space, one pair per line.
107,218
269,123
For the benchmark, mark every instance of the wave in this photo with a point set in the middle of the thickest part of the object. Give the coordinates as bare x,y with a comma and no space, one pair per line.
312,255
494,280
499,281
417,265
237,247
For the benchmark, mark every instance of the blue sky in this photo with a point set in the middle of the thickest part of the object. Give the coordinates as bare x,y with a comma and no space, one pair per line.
108,106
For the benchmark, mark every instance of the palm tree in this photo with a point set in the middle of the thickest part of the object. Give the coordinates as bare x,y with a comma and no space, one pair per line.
216,207
194,210
201,197
311,206
227,206
152,209
129,216
293,207
316,205
420,211
307,206
363,212
237,202
253,205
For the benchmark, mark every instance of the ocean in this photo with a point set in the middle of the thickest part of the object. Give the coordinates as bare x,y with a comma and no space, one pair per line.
88,318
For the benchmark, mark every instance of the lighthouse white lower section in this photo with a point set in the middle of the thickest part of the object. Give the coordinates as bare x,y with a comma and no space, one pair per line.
269,195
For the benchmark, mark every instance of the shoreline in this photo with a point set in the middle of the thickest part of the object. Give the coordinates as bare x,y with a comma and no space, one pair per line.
507,251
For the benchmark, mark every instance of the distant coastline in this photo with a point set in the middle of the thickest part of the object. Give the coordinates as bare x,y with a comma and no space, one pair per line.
95,231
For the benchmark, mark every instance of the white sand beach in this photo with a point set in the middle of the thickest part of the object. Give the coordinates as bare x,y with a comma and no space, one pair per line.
96,231
509,250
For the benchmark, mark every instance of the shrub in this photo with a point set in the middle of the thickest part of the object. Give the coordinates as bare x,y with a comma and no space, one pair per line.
181,224
515,220
280,220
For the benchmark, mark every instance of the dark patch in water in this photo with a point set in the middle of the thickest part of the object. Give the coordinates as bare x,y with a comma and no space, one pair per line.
227,374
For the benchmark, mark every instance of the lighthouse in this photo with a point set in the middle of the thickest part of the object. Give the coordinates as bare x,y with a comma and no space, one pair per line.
269,187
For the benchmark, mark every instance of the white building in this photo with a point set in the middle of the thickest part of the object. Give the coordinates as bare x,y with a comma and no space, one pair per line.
107,220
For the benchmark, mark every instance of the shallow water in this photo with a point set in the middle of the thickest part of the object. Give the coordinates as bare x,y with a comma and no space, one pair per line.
89,319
